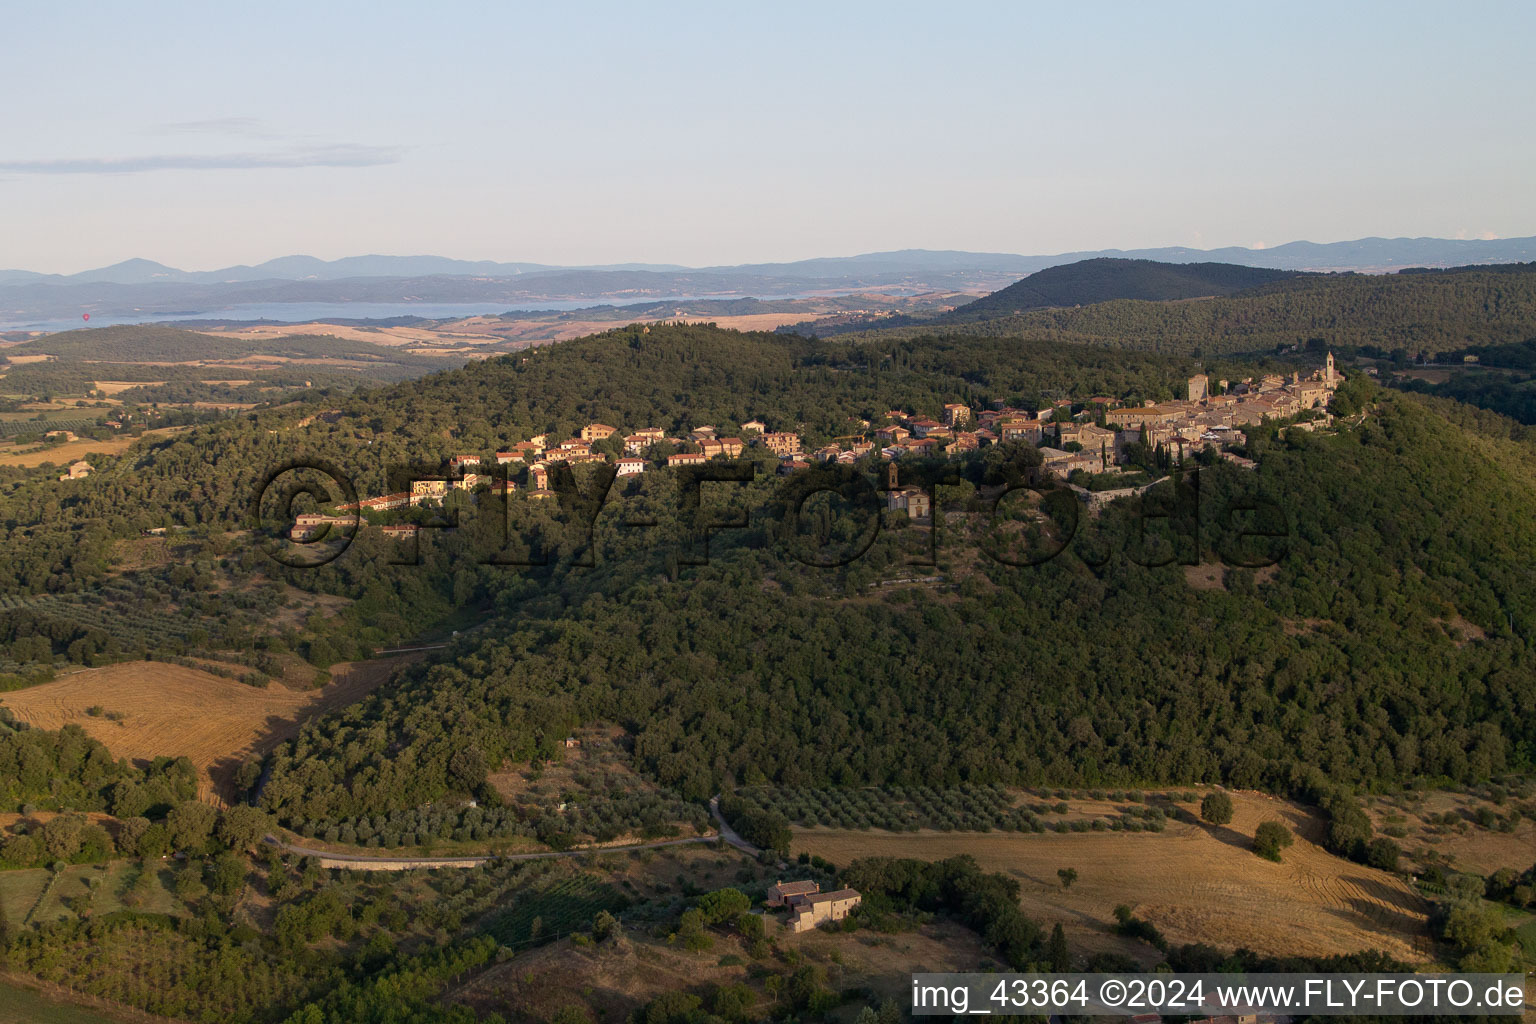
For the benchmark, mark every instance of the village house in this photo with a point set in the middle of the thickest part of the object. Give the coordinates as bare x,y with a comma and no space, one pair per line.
400,531
781,443
687,459
956,415
1055,460
1146,415
1032,431
704,433
423,491
789,466
634,444
382,503
538,476
469,481
597,432
754,427
458,462
925,446
309,525
728,447
923,426
541,494
893,434
630,467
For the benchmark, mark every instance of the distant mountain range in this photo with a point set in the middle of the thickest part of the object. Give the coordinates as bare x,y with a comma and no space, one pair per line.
141,287
1365,254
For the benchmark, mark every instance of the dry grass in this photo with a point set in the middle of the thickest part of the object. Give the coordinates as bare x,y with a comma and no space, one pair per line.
614,980
63,454
1206,576
600,755
174,711
1462,846
1196,883
113,387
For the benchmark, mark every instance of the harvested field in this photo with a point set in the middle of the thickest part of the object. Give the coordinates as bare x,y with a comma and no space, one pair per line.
1461,831
112,387
1195,882
174,711
62,455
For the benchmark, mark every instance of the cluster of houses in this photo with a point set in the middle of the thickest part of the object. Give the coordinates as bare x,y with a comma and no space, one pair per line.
1096,439
808,906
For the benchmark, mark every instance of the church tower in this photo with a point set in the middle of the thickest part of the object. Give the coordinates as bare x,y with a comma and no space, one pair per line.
1328,377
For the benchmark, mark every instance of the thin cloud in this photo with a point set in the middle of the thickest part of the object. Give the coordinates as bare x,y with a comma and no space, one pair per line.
213,126
339,155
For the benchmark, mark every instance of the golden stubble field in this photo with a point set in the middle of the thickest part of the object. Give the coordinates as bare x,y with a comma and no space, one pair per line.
62,455
1195,882
173,711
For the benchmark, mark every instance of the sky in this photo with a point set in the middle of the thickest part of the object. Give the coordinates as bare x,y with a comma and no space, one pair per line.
207,135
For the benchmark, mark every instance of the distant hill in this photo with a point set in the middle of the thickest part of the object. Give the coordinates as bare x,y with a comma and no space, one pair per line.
1418,313
1100,280
134,344
165,347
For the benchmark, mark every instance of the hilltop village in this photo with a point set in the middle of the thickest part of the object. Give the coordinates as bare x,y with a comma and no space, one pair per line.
1100,437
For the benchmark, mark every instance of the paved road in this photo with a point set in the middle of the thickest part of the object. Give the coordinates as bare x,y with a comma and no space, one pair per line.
727,833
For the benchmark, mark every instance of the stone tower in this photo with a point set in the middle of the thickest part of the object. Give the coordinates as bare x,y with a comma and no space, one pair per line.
1198,387
1328,375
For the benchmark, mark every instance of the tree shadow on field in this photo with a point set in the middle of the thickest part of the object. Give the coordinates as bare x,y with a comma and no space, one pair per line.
1227,836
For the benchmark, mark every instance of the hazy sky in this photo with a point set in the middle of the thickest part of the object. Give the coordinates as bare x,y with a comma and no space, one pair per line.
204,135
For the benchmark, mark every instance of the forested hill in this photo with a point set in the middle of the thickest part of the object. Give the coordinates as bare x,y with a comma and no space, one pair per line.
1387,646
1390,644
1419,313
1100,280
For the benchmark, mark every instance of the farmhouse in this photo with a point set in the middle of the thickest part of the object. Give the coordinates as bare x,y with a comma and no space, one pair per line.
77,470
780,892
806,912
